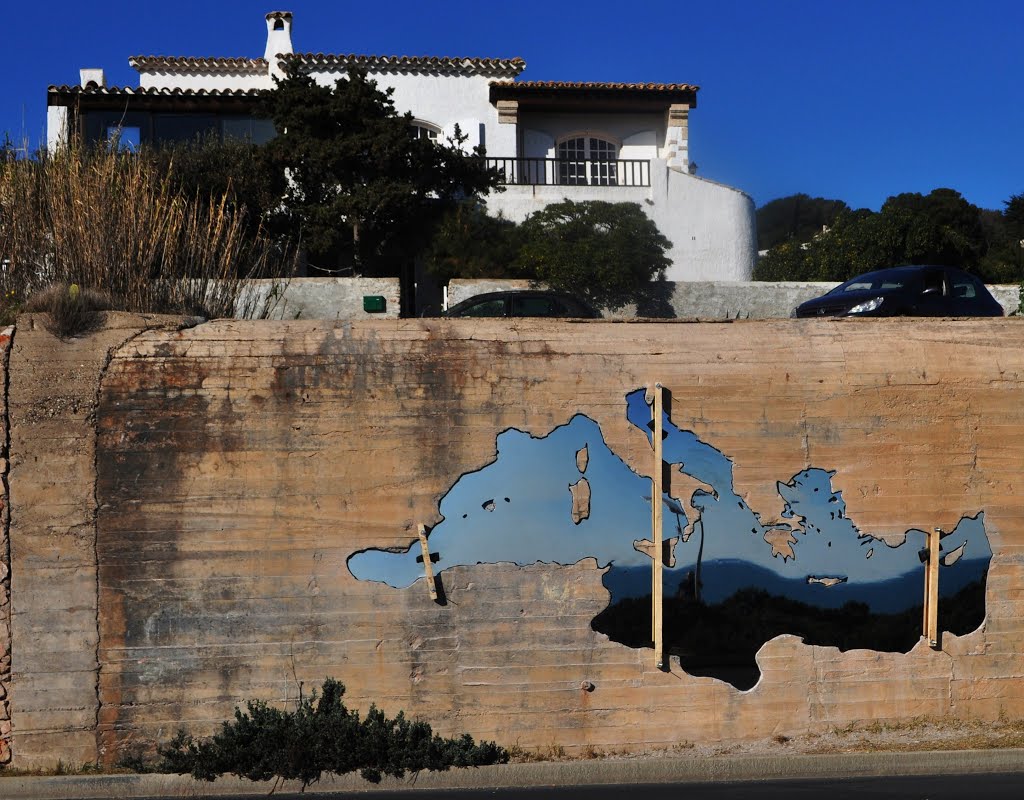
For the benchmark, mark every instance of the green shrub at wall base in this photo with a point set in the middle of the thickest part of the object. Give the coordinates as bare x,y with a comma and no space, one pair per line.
322,736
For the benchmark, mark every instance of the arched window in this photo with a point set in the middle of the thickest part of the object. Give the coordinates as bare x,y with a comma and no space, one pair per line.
587,160
424,130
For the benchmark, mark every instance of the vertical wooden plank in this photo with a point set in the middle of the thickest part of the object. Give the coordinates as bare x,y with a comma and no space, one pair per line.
925,611
934,539
657,527
428,566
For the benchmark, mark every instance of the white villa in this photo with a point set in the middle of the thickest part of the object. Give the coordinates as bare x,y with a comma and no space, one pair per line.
582,141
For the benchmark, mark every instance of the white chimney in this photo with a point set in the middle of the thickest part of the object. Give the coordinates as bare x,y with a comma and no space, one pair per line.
95,77
279,34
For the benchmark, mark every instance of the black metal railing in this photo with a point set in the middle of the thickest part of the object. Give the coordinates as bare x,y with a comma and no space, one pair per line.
566,172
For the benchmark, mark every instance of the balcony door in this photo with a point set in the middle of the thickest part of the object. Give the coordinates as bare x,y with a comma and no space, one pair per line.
587,161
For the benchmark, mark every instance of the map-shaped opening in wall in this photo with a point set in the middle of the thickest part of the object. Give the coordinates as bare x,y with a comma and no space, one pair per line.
735,583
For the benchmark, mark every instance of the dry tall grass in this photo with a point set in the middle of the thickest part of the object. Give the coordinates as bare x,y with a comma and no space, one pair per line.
109,221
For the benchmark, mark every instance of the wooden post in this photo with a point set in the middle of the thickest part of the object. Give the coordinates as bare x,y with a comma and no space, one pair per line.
932,589
428,565
656,527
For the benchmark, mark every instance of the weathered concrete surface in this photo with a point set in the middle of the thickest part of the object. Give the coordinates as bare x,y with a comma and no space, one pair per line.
5,564
53,388
713,300
238,466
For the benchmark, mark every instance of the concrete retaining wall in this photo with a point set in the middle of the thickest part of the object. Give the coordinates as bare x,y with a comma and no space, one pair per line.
184,504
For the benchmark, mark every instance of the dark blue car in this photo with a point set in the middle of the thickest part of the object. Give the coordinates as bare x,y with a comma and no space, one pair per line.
912,291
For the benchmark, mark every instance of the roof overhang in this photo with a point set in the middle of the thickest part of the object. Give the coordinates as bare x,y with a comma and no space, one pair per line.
614,97
169,100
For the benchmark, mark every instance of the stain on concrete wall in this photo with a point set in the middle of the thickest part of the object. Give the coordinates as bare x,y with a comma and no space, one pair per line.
239,467
53,390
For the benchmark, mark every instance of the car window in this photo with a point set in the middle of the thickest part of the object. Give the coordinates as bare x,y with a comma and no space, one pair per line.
933,280
882,280
485,308
963,287
538,307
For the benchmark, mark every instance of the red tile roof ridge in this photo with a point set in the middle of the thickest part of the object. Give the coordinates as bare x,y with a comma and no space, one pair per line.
192,62
502,64
149,90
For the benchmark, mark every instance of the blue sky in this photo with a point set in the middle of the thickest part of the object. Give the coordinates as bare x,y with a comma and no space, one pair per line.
854,100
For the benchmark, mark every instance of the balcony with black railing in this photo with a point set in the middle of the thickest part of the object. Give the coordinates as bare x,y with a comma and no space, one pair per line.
565,172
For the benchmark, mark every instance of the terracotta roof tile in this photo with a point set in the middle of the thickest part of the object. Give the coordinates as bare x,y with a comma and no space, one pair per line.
186,64
509,67
152,91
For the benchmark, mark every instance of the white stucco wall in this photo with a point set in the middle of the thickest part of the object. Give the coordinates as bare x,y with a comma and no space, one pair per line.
712,227
444,101
210,82
56,127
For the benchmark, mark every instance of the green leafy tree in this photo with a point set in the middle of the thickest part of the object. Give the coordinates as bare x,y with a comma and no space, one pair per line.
607,253
1013,214
356,183
469,243
938,228
796,218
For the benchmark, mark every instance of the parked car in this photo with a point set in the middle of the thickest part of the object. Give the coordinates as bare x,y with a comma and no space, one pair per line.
523,303
912,291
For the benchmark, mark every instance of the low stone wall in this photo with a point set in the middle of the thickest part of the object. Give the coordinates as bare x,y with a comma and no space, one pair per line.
712,300
324,298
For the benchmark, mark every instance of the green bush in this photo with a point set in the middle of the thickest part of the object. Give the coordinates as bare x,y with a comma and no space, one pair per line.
321,736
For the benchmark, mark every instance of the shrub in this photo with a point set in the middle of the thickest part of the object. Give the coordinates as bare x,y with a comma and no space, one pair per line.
70,311
320,736
607,253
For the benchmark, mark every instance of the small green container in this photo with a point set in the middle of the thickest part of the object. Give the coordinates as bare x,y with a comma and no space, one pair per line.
374,304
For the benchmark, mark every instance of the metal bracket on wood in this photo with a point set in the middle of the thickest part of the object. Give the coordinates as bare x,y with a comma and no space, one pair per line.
930,621
428,566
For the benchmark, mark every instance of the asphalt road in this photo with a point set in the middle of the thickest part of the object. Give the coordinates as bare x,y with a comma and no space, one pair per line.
938,775
1001,786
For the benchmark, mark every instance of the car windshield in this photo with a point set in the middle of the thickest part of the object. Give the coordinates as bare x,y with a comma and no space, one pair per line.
881,281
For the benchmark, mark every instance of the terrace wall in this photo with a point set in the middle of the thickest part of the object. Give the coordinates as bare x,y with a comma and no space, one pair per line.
184,503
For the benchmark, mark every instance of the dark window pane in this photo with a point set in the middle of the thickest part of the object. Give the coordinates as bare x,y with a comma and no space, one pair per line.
183,127
487,308
262,131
